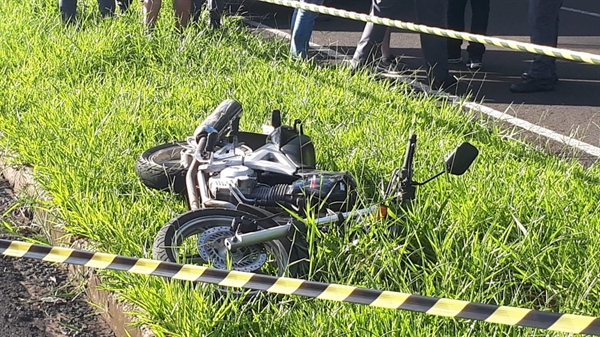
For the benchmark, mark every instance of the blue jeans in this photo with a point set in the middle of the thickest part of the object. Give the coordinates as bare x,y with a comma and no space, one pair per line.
301,29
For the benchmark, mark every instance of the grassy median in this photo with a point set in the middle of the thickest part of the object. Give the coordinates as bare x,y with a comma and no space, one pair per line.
80,103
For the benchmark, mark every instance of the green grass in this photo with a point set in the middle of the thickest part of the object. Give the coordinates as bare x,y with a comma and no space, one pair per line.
79,104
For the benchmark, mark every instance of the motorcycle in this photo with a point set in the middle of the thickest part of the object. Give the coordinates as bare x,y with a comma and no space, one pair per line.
248,193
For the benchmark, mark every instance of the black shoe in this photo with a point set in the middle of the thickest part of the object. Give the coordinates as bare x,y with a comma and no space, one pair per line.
454,55
531,84
525,76
454,60
450,86
353,64
445,84
474,63
390,65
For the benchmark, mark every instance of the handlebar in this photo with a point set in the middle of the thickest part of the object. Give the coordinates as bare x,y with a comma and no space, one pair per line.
401,184
407,168
407,189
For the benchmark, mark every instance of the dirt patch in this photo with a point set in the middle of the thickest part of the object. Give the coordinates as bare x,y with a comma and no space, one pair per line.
36,297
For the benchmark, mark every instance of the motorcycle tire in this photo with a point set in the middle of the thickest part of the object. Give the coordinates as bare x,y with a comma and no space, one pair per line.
201,233
160,168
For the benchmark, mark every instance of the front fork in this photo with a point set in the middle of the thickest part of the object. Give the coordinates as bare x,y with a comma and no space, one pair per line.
258,236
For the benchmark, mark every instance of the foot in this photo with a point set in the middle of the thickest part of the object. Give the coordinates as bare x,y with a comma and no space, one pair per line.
214,20
445,84
352,64
389,65
455,60
525,76
452,86
531,84
448,85
474,63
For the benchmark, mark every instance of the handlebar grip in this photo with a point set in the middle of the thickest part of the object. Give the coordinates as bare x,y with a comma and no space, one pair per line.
211,142
275,118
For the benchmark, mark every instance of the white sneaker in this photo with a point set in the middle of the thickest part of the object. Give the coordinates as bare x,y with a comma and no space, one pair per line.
474,64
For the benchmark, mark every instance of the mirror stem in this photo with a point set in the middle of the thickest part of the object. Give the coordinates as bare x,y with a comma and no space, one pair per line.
414,183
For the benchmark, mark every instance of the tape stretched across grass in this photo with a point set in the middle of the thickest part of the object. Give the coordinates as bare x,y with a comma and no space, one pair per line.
504,43
289,286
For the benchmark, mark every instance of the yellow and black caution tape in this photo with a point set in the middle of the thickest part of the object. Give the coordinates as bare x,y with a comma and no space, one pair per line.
504,43
289,286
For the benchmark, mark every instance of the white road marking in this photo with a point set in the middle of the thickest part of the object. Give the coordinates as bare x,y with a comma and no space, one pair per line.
523,124
575,10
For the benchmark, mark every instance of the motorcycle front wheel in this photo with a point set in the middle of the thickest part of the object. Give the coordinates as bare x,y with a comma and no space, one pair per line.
197,237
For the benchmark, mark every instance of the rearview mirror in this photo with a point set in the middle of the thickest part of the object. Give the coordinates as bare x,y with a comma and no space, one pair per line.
458,162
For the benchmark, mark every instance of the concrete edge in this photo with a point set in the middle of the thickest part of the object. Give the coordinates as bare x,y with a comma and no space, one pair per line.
113,311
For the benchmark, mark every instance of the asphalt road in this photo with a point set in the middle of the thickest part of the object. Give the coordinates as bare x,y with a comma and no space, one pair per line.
573,109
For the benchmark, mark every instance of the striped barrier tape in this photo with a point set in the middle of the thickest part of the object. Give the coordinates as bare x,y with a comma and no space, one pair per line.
504,43
289,286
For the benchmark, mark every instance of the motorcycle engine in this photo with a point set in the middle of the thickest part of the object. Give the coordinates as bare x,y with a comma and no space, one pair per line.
331,190
242,177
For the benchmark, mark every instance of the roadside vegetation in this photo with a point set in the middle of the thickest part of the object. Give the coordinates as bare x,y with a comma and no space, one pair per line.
81,103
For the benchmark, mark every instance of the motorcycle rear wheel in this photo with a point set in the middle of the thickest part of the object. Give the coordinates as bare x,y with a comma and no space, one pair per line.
160,168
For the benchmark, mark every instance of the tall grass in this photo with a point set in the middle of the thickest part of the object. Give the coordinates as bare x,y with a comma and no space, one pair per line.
80,103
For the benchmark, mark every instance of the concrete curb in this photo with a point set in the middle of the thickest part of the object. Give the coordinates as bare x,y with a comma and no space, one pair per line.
111,310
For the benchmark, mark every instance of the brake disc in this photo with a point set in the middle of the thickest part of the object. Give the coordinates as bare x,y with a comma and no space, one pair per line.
211,246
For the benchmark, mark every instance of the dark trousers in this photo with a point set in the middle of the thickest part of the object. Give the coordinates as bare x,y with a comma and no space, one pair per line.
543,21
430,13
124,4
215,9
68,8
480,15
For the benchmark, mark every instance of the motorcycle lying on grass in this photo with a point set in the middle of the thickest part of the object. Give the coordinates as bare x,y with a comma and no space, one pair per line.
247,192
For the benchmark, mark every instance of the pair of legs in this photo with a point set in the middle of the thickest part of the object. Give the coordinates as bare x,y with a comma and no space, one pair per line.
480,10
182,8
68,8
184,11
301,29
430,13
543,21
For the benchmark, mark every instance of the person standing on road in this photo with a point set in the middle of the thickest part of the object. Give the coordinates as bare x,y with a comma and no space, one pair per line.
480,15
301,28
543,21
68,8
434,48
